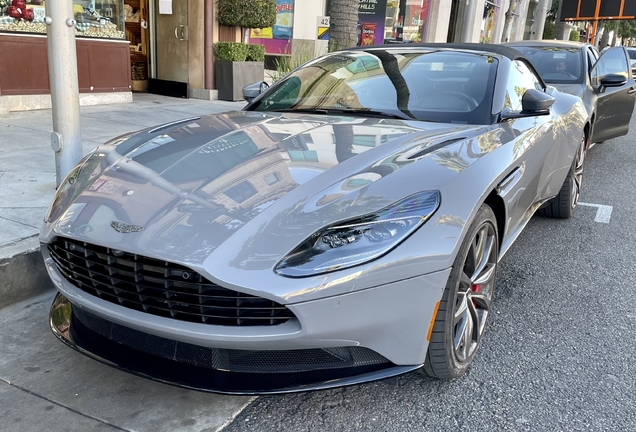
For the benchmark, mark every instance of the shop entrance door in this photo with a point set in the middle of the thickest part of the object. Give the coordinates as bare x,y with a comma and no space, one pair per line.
171,38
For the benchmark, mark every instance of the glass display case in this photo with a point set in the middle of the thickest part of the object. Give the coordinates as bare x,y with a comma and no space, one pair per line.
95,18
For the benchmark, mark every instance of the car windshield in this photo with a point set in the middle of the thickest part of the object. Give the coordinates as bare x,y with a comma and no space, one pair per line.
439,86
556,65
632,53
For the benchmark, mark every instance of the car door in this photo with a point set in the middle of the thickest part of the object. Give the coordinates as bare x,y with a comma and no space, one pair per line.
615,104
538,160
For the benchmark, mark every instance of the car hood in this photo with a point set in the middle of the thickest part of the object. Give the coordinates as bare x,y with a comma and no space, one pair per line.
245,188
573,89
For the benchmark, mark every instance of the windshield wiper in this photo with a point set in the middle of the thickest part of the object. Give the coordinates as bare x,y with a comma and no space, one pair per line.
348,111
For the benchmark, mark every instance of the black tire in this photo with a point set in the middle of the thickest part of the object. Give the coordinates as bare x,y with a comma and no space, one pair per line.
465,303
564,204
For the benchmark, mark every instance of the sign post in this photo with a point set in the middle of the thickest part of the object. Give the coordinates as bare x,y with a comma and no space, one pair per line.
66,138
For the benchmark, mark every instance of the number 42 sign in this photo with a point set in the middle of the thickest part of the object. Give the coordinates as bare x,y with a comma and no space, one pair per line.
323,28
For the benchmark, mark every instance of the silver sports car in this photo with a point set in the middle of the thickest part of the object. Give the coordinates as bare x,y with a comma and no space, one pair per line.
346,226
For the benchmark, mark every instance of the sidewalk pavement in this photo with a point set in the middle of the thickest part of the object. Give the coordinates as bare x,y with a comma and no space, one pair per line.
27,174
45,385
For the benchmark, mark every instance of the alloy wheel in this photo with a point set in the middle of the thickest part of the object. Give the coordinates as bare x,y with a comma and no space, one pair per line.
474,294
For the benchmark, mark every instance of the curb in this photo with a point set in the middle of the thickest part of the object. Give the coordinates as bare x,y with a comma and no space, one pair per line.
22,272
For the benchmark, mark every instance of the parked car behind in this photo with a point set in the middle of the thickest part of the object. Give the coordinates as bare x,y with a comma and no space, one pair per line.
607,87
632,59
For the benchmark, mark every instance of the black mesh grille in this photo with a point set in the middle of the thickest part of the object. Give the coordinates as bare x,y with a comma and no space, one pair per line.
160,288
289,361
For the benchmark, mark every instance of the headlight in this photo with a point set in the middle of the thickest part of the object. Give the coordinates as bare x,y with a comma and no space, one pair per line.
356,241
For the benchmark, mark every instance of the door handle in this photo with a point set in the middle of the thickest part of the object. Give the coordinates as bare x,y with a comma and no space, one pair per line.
180,34
631,90
184,33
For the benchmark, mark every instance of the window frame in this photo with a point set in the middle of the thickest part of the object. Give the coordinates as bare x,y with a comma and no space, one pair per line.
514,69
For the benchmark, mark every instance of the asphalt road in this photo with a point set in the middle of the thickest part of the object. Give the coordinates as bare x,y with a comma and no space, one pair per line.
560,346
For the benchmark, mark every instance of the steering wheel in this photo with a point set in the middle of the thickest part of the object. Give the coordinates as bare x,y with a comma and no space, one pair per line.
469,100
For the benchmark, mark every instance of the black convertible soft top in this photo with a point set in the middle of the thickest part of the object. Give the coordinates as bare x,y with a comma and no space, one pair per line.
504,51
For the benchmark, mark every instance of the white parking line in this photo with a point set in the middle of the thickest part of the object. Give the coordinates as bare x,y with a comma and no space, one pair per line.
603,214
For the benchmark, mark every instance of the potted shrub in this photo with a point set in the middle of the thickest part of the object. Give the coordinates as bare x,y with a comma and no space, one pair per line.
239,64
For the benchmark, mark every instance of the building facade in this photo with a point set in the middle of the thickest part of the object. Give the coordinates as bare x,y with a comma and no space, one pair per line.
167,46
407,21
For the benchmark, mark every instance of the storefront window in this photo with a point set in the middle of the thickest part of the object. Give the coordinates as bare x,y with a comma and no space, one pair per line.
406,20
95,18
489,21
391,24
277,39
415,18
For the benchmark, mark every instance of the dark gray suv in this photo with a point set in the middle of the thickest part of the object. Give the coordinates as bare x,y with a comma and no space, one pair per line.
603,81
631,51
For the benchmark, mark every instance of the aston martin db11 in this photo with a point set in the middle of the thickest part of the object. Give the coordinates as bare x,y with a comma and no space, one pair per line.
345,226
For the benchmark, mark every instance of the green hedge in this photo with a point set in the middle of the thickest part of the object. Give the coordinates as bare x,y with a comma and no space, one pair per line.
231,51
238,52
246,13
575,35
548,30
255,53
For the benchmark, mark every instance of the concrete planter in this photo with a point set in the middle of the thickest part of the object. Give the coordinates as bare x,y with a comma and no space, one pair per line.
231,77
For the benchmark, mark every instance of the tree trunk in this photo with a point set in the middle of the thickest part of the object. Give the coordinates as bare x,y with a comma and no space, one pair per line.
561,29
343,134
392,70
608,27
343,32
508,20
604,39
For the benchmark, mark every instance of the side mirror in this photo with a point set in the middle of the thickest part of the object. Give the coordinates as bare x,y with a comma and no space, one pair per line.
252,91
533,103
613,80
536,102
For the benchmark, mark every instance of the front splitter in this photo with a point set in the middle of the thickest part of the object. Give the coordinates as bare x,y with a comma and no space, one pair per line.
82,339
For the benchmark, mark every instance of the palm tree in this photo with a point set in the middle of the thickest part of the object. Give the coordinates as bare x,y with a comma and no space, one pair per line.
512,8
343,32
392,70
343,134
626,31
452,159
561,28
608,26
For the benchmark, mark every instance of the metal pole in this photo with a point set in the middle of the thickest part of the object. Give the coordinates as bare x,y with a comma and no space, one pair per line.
208,44
540,16
66,138
152,20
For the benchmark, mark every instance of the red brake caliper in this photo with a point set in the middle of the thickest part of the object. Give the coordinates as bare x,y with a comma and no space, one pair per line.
475,288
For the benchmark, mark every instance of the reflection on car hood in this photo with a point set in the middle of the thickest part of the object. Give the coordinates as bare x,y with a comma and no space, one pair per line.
573,89
252,176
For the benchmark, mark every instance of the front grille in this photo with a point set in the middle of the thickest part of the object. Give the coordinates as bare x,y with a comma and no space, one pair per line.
242,361
160,288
